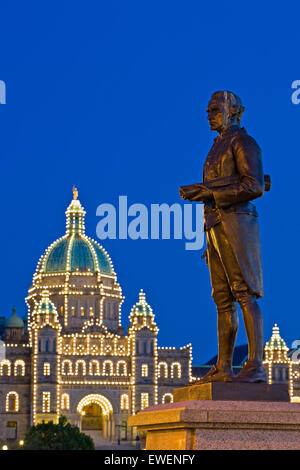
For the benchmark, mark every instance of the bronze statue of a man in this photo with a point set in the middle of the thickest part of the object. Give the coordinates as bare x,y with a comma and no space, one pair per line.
232,178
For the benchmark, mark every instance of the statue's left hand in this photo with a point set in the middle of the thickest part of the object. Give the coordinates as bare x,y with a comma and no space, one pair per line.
196,192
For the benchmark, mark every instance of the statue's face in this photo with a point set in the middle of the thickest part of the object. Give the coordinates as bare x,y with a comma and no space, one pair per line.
216,115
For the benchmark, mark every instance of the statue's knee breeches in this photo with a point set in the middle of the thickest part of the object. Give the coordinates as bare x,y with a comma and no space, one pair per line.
223,298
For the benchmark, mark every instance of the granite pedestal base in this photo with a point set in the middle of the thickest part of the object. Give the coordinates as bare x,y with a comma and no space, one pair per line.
220,425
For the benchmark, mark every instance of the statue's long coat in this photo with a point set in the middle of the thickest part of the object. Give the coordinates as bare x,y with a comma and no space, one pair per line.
236,154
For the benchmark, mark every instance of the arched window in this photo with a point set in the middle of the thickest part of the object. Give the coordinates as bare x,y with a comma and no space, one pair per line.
124,402
167,398
66,367
19,367
5,367
108,368
12,402
144,370
65,401
121,368
46,368
176,370
80,367
94,367
163,370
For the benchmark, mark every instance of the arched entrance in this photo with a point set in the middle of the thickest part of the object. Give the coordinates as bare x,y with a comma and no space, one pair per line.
92,417
96,417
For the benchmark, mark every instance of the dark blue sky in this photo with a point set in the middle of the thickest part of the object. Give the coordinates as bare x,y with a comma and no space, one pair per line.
111,96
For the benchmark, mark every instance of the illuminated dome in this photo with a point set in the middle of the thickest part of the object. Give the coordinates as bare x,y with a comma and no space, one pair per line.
276,342
141,307
75,251
276,349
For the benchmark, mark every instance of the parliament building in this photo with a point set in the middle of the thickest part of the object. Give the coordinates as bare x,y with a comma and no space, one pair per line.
71,355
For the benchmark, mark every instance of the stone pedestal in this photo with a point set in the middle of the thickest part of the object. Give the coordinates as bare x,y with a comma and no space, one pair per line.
220,424
230,391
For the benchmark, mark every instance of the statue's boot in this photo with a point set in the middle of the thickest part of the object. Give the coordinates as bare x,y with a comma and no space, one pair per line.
227,331
252,372
215,374
253,369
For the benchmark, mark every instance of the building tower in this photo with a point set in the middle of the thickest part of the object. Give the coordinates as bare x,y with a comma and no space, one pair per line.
277,362
142,334
46,350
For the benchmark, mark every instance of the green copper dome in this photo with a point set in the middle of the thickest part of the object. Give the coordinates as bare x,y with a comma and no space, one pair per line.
141,307
75,251
14,321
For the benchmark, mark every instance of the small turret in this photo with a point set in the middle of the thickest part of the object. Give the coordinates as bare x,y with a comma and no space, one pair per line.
14,327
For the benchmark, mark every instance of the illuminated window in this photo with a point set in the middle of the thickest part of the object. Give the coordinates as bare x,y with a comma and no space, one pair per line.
176,370
121,368
73,311
145,370
91,312
66,367
46,402
167,398
94,367
124,402
11,429
46,368
144,400
5,367
163,369
61,311
107,368
82,313
65,401
12,403
80,367
19,367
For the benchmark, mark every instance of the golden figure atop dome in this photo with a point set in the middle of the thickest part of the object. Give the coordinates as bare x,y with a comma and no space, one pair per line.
75,193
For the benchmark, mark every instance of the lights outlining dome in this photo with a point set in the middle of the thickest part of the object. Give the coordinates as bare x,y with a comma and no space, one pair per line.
45,312
142,316
141,307
45,306
276,343
75,251
79,276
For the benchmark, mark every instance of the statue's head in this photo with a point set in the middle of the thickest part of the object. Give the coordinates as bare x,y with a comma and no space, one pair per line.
224,109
